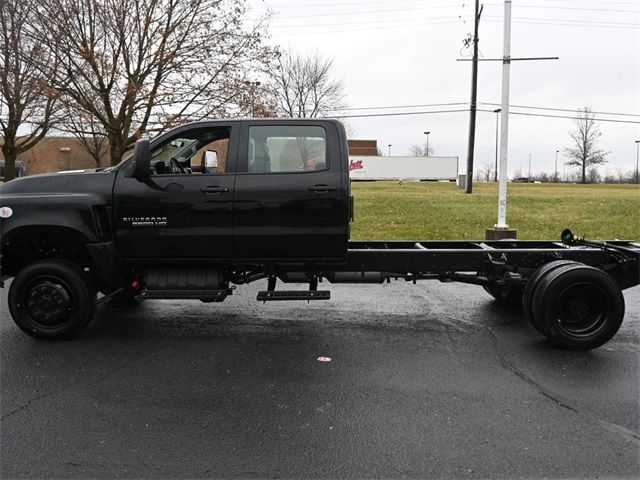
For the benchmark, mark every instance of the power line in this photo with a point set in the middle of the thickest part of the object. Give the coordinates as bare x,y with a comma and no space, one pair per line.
564,109
551,21
341,3
377,27
565,8
363,13
399,114
605,2
384,24
566,116
365,22
404,106
424,105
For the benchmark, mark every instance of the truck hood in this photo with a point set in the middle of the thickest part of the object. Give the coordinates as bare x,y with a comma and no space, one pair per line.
99,183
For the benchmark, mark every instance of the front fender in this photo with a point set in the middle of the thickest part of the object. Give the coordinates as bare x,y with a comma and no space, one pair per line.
72,211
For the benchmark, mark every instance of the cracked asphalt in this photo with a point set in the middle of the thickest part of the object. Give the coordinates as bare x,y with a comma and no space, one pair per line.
426,381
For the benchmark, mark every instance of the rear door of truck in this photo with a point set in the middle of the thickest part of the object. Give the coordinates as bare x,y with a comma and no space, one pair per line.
289,200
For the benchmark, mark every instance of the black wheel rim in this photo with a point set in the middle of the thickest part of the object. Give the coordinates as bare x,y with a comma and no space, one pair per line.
581,310
49,301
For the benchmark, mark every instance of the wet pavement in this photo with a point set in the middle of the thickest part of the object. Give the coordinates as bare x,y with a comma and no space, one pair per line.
425,381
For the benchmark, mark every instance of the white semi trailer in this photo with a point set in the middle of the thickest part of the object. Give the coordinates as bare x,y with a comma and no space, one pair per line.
403,168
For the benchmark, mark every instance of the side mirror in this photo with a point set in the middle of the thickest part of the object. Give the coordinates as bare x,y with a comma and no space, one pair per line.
141,159
211,160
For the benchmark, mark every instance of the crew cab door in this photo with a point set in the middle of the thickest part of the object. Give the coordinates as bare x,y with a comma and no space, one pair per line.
289,197
184,209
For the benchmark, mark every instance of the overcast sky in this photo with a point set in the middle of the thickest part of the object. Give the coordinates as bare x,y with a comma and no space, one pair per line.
404,52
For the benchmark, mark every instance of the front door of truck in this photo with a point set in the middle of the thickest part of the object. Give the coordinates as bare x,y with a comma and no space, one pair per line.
289,195
185,208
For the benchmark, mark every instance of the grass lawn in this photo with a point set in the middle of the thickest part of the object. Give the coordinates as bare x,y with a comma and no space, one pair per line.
441,211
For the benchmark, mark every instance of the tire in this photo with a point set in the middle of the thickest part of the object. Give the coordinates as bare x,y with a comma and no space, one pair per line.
506,296
531,286
581,307
52,299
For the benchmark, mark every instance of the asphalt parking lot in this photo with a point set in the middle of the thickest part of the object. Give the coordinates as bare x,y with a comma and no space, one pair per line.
426,381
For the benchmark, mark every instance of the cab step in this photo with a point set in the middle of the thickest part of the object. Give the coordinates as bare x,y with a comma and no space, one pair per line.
204,295
270,296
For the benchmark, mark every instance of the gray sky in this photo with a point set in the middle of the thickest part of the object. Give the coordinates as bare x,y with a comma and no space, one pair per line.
404,52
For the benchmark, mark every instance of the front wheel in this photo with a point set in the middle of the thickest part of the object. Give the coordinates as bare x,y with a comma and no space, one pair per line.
52,299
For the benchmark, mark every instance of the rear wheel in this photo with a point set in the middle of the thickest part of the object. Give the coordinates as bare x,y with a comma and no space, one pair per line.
580,307
506,295
52,299
532,285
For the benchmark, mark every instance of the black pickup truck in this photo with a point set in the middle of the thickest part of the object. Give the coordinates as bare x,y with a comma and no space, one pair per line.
212,205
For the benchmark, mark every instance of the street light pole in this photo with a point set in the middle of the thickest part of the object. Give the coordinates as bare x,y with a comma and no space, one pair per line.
389,149
555,172
529,167
495,173
427,134
637,160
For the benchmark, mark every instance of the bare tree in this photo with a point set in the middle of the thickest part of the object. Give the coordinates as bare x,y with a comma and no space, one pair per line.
486,173
140,65
304,87
421,150
593,175
256,101
89,132
608,177
27,104
517,173
542,177
584,152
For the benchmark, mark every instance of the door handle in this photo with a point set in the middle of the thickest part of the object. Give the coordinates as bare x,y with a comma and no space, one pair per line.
322,188
214,189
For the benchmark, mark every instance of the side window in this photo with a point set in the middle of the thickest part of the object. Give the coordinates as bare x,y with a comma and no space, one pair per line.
201,151
281,149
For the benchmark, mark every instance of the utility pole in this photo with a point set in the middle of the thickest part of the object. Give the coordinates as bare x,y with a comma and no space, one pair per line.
529,167
555,172
495,173
474,95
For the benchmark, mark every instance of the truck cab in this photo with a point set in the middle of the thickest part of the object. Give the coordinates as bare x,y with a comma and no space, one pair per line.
272,189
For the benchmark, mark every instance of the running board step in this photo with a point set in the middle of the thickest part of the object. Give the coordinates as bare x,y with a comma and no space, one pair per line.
204,295
269,296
